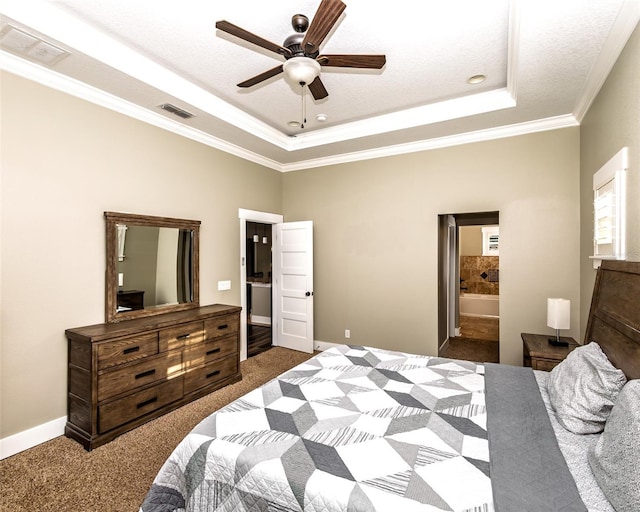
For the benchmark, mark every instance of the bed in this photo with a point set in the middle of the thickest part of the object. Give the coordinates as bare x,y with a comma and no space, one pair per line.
362,429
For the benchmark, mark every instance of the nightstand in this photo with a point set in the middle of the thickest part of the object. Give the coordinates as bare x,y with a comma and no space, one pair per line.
539,354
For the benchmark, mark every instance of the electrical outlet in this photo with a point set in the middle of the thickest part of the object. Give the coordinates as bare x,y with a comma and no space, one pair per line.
347,333
224,285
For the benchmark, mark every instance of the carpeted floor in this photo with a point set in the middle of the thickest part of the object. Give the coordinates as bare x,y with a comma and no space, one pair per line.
60,475
481,351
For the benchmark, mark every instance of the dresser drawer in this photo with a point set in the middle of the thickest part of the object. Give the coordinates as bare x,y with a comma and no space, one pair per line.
210,374
130,377
121,411
181,336
210,350
126,350
545,365
222,326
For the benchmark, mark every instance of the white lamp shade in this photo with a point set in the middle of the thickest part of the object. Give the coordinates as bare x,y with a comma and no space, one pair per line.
301,69
558,313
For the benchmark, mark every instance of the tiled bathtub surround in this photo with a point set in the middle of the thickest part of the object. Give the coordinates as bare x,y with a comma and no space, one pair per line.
479,274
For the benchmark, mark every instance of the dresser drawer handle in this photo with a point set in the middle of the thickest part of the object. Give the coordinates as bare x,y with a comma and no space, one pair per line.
183,336
213,374
145,374
130,350
213,351
147,402
223,326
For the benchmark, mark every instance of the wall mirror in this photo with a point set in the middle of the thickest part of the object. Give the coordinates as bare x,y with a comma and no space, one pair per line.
152,265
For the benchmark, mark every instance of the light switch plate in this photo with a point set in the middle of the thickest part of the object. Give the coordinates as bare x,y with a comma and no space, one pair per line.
224,285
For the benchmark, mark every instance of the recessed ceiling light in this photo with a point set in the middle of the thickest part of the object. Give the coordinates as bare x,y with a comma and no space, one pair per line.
293,124
476,79
321,118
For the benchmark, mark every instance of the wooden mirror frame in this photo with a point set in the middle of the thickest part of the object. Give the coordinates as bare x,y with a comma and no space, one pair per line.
111,285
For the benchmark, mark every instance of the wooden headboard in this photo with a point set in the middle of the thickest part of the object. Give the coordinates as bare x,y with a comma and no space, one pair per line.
614,318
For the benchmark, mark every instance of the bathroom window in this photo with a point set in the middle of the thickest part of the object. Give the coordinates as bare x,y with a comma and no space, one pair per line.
609,206
490,241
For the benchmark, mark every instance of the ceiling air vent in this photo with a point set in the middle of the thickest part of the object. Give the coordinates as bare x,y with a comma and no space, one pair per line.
25,45
176,110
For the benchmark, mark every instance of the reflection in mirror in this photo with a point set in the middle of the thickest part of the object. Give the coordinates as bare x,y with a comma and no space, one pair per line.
156,269
152,265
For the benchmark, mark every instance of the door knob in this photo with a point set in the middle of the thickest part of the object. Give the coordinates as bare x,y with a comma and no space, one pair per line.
308,294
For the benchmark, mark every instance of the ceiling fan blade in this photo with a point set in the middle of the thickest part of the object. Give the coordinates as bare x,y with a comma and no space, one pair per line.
234,30
261,77
353,61
326,16
317,89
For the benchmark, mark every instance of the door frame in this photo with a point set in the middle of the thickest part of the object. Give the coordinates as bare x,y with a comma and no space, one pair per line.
249,216
449,268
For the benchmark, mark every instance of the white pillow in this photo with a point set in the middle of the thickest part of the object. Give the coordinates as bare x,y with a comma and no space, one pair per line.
615,459
583,388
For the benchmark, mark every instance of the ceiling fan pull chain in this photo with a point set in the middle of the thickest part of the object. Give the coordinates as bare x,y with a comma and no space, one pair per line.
304,106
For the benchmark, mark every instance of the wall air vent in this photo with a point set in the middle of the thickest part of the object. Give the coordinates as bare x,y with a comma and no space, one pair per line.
176,110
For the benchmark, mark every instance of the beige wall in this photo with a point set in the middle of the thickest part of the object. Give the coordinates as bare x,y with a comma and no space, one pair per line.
470,240
613,122
65,162
375,236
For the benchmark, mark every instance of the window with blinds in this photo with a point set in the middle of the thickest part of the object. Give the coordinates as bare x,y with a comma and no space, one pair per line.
609,190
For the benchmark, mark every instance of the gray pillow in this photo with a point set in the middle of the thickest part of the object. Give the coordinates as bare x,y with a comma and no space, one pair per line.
583,388
615,459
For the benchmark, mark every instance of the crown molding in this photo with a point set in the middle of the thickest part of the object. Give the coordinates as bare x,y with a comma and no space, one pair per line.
80,37
83,91
457,108
623,26
73,87
72,32
540,125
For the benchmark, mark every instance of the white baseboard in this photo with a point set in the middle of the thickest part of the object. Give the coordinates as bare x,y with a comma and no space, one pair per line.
32,437
260,320
37,435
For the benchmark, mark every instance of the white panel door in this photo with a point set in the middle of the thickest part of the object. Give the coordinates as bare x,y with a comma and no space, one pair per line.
293,286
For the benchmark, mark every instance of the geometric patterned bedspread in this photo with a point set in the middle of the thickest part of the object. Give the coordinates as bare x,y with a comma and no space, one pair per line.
351,429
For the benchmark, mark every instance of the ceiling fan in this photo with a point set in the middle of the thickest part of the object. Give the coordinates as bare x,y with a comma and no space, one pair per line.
301,50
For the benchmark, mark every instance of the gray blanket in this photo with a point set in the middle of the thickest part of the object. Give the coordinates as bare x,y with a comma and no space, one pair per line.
528,471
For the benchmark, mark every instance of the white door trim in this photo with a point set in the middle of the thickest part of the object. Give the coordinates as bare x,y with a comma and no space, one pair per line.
251,216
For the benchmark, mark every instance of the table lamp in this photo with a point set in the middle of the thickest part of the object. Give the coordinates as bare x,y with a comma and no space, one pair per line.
558,317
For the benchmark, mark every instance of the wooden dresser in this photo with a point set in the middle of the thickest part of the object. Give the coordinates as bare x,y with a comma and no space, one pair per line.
124,374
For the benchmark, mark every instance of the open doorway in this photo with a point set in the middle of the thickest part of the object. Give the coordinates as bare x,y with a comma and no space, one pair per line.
258,287
292,279
246,216
469,299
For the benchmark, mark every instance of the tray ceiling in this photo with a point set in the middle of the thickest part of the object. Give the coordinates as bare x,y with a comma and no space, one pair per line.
543,61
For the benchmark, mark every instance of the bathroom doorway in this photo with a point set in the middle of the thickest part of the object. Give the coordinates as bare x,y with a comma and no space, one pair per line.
258,287
469,299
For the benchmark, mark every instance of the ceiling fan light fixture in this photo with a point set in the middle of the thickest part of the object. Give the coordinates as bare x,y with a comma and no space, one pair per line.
301,70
